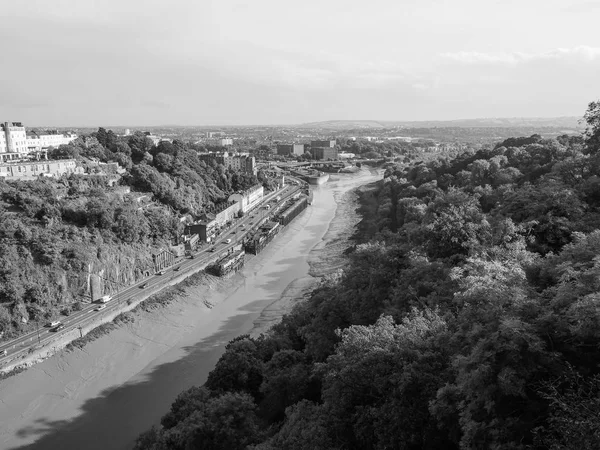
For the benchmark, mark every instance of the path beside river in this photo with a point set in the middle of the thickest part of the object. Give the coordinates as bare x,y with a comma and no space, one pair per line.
103,396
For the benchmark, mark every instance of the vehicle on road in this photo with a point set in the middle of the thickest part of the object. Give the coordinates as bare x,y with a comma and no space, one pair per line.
160,272
212,250
105,299
228,241
143,286
100,308
59,327
192,257
53,324
177,268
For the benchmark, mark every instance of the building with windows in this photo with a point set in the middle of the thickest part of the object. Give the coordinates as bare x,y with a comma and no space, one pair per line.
38,141
241,162
324,153
249,198
33,169
329,144
290,149
16,143
13,138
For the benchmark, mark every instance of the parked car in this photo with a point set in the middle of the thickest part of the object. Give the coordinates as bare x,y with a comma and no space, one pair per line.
100,308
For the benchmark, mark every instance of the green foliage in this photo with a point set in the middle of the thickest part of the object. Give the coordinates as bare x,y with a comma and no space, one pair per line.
54,232
467,317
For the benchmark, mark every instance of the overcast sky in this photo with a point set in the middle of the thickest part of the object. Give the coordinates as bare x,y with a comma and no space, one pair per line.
209,62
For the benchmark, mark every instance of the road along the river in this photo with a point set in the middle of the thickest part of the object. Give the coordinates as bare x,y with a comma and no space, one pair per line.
103,396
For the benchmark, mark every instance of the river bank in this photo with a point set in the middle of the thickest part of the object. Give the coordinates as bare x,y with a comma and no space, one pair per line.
105,394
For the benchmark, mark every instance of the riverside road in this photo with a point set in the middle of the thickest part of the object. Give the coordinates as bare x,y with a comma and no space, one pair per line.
45,336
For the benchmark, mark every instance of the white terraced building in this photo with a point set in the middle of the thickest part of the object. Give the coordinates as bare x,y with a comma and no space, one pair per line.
16,142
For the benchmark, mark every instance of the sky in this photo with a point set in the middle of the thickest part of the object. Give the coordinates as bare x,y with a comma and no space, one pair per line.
234,62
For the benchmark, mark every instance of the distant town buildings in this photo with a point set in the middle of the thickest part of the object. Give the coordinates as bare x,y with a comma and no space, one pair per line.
225,142
241,162
324,153
290,149
322,150
328,144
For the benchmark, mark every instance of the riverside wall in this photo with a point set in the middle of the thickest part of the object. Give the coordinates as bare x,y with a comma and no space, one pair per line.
38,354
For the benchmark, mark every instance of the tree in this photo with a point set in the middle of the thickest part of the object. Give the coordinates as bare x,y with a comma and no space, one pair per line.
592,131
453,224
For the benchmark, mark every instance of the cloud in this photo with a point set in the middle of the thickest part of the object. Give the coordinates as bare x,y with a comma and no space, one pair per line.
579,53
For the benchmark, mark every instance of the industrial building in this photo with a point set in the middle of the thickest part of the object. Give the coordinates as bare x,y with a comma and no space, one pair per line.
329,144
290,149
324,153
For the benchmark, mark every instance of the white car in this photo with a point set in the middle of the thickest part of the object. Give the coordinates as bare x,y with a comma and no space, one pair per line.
100,308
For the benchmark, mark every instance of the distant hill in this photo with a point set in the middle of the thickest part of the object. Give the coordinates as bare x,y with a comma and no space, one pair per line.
569,122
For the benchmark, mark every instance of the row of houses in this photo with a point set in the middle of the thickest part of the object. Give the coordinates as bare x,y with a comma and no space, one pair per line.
320,150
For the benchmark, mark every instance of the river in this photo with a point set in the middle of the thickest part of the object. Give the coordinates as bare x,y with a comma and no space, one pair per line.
103,396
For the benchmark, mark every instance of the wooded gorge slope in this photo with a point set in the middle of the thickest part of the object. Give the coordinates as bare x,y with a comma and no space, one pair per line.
470,319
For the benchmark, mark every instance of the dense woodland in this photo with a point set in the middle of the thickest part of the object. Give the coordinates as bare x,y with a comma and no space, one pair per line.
55,232
468,318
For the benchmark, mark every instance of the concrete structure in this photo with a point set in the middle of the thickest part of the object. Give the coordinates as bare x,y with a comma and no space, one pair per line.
13,138
162,259
241,162
249,198
30,169
346,155
324,153
290,149
225,142
329,144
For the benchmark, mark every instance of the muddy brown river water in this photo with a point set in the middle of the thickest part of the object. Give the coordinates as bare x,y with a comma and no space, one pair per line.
103,396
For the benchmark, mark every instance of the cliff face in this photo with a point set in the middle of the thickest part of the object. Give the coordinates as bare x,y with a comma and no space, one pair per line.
117,267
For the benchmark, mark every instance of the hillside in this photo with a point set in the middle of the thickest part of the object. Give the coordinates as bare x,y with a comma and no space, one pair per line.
468,318
568,123
56,233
